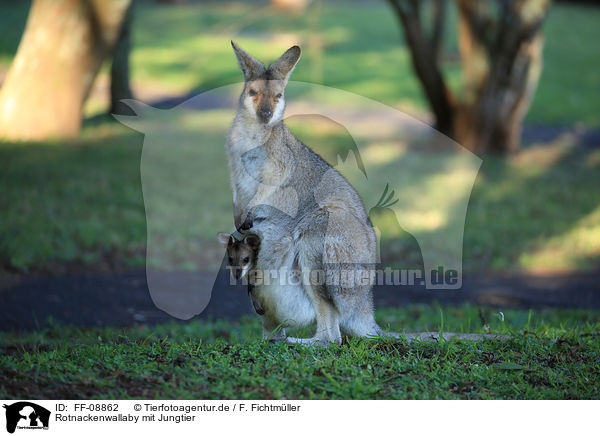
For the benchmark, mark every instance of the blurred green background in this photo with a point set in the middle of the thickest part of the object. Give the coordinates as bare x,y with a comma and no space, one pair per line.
77,204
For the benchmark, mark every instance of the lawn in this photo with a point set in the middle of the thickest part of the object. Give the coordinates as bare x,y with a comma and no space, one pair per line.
553,355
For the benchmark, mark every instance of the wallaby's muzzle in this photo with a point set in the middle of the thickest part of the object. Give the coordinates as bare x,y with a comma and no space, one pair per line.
237,272
264,114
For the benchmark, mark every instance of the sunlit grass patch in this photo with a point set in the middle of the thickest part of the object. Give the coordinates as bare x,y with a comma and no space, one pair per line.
81,201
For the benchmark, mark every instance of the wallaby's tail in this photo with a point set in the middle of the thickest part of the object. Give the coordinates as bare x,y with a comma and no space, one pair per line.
436,336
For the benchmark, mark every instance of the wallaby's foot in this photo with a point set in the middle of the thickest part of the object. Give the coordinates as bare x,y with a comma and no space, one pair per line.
314,341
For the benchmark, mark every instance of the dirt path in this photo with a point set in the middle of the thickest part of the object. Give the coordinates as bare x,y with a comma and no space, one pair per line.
123,299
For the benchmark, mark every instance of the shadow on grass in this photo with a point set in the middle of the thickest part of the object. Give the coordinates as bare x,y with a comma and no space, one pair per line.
77,202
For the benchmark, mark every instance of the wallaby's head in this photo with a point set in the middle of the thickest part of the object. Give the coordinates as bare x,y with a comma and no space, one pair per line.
241,255
264,87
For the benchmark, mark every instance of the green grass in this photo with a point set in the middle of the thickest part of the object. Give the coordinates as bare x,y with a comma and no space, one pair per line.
553,355
72,203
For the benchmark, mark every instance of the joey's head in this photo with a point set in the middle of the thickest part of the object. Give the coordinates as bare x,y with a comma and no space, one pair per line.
241,255
264,87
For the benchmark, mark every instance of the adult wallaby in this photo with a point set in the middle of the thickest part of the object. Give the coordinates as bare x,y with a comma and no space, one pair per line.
308,216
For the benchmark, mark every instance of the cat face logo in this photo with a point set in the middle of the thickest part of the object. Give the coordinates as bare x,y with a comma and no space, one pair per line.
26,415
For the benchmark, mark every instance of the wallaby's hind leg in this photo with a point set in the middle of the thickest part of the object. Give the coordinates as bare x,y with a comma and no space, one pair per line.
361,324
327,315
328,324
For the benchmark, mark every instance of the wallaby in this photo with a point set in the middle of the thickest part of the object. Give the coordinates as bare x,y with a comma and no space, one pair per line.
308,216
241,255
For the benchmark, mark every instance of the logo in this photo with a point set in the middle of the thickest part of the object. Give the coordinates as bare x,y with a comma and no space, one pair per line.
26,415
419,183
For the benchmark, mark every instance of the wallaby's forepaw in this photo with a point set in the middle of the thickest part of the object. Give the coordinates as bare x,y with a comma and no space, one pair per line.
246,225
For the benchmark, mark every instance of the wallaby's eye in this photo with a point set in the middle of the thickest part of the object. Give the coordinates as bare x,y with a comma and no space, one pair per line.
278,96
246,259
252,93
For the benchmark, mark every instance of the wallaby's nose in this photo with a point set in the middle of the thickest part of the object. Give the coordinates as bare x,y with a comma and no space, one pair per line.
264,114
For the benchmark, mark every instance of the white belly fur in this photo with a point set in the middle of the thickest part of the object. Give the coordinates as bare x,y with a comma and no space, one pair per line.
287,304
284,300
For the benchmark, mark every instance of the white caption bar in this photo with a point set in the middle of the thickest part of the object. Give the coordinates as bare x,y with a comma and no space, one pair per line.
368,418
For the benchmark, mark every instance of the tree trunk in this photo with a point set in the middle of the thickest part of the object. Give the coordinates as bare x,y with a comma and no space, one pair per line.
424,54
58,58
501,50
119,71
501,62
296,6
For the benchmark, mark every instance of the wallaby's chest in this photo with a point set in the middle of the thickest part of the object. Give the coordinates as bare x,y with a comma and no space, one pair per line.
247,158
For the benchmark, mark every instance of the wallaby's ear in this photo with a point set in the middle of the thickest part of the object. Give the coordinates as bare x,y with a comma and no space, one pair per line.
141,113
251,68
252,241
224,238
282,68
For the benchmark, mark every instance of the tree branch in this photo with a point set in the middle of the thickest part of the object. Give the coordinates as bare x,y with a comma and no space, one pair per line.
425,63
480,23
439,25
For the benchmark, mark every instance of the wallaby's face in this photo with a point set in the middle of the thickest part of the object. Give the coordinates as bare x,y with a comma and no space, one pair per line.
264,99
263,94
241,255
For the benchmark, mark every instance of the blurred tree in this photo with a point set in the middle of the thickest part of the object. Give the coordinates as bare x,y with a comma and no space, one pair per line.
58,58
119,71
296,6
500,43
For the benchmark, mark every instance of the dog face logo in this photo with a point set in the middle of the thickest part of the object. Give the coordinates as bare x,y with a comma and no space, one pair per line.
26,415
183,156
